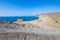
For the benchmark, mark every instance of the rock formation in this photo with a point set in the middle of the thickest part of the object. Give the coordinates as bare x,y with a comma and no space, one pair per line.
8,25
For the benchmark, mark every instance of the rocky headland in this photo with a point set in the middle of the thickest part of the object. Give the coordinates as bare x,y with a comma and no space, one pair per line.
49,21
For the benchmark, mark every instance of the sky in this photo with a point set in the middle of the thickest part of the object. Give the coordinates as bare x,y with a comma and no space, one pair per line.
28,7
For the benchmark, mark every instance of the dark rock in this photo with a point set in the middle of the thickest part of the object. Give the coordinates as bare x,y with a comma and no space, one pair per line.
3,22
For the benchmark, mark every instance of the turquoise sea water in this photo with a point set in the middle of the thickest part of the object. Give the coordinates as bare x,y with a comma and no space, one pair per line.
14,18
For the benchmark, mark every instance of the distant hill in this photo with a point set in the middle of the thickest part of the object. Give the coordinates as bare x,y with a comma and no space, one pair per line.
54,14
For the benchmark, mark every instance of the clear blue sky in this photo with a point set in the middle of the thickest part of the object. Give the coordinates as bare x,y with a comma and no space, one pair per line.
28,7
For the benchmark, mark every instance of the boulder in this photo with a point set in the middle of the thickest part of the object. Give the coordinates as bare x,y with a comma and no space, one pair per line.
19,21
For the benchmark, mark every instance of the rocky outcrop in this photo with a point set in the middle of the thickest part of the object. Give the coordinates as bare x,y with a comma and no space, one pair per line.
8,25
19,21
3,22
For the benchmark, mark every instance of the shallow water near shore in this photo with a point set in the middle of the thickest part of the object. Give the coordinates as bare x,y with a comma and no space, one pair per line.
14,18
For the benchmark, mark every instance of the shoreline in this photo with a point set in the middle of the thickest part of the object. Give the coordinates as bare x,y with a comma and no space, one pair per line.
41,25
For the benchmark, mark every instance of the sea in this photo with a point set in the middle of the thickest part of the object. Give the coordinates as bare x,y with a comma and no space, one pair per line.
14,18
